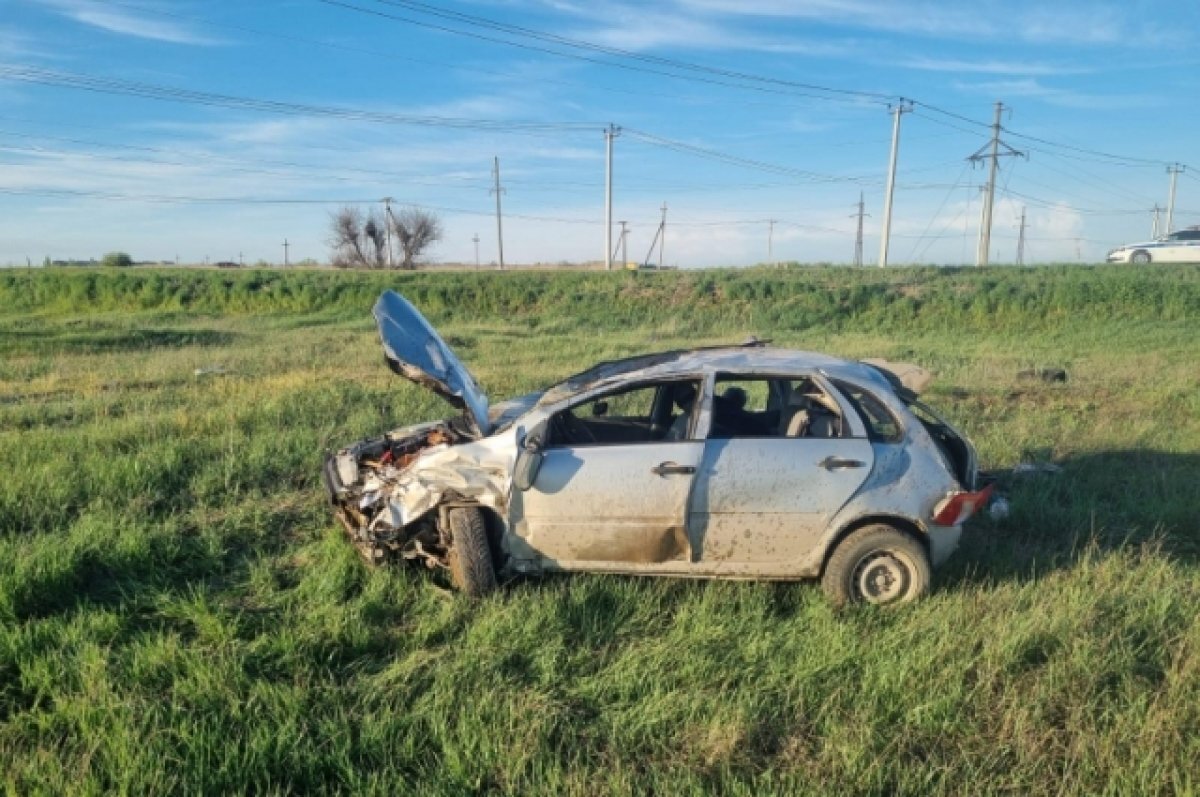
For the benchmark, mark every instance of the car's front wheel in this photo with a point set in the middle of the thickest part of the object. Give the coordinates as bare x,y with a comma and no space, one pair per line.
1140,257
877,564
470,557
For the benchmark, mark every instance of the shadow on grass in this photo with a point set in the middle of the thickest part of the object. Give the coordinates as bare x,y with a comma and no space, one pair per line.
57,342
1106,501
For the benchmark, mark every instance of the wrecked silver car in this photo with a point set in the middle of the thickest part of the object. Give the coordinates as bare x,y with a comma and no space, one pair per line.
729,462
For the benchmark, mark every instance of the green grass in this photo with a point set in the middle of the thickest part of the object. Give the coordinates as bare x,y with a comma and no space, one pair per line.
179,613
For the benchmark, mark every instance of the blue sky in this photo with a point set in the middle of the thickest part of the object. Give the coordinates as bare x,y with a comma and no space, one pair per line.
399,105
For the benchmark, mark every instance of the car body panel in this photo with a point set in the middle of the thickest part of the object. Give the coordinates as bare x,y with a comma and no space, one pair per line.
415,351
764,500
602,504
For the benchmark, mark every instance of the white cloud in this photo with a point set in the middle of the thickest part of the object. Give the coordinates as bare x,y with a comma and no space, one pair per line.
17,46
1065,98
116,20
990,67
1029,21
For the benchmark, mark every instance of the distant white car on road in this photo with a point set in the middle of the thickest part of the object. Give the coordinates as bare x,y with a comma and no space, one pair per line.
1181,246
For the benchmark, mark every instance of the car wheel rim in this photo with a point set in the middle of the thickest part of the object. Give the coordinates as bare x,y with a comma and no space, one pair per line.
882,577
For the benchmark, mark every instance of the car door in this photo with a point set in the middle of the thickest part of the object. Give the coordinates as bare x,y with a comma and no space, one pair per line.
762,501
1186,246
619,505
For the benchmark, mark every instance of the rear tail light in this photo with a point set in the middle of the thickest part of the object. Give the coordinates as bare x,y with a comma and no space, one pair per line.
958,507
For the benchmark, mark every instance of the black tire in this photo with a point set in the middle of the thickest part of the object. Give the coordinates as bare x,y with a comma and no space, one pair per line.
470,556
1140,257
877,564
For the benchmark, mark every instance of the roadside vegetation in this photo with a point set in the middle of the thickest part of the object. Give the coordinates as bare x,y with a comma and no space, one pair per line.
179,612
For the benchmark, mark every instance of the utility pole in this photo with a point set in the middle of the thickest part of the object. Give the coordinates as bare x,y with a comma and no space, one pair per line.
476,240
621,243
241,260
897,110
770,241
1156,210
989,198
1174,169
610,132
663,238
387,227
1021,240
659,236
285,253
499,226
858,236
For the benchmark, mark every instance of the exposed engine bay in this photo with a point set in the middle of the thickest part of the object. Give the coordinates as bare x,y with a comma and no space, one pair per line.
373,488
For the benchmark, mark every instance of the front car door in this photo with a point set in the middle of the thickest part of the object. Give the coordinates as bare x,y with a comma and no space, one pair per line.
774,472
614,482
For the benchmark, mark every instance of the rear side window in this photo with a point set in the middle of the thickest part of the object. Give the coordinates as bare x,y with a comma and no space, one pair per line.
882,426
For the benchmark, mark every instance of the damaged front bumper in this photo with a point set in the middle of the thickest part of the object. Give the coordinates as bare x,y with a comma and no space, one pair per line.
388,492
362,480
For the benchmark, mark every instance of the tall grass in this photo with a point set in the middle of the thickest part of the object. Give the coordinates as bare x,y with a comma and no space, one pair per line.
178,613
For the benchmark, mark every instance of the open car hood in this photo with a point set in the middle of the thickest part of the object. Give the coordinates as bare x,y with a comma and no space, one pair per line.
415,351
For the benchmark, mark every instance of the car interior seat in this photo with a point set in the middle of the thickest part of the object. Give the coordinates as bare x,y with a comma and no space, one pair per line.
808,414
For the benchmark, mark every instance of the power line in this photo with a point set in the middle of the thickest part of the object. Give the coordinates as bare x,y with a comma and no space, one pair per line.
736,160
243,200
773,85
107,85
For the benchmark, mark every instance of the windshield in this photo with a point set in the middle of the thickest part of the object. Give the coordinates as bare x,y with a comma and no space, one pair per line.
502,415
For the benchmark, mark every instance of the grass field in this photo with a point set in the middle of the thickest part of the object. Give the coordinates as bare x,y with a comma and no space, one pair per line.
180,614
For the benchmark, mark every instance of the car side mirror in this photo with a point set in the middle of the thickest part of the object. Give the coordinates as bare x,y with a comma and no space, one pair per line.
529,462
600,408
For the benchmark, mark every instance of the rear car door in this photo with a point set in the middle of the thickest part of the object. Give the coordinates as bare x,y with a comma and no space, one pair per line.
763,500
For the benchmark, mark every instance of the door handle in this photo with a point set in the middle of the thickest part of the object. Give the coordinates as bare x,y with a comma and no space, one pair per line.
666,468
836,463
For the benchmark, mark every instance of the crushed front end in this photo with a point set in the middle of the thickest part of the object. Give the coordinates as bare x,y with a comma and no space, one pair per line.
375,494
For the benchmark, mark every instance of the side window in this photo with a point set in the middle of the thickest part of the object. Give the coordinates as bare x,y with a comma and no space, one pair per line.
881,424
643,413
758,406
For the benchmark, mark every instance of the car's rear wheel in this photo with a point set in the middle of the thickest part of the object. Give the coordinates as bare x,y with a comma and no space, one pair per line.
1140,257
470,556
877,564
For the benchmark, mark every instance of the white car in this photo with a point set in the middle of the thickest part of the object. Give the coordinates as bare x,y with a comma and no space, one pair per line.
1181,246
728,462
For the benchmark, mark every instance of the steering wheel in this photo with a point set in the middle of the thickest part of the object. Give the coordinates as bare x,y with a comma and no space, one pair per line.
573,428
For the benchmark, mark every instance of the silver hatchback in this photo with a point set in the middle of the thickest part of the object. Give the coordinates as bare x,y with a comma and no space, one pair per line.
747,462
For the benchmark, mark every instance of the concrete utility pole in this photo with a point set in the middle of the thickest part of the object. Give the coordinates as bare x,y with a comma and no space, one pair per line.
662,240
770,241
1174,169
898,110
610,132
858,235
621,243
476,240
1021,240
387,227
499,225
989,198
1156,210
285,253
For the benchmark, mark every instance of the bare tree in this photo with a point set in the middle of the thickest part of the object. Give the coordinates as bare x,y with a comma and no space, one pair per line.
359,240
415,230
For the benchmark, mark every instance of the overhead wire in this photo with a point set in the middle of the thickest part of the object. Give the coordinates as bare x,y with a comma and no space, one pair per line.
108,85
721,76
